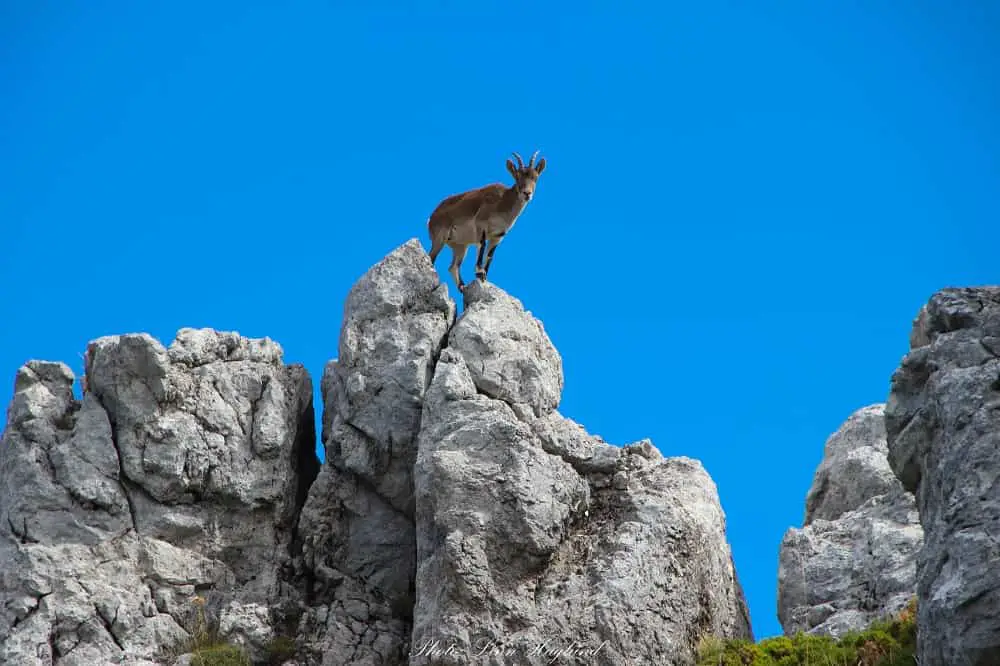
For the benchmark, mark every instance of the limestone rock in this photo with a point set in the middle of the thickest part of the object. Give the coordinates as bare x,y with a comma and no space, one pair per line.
536,541
516,507
357,527
855,467
457,510
943,427
854,559
507,351
176,480
395,320
359,560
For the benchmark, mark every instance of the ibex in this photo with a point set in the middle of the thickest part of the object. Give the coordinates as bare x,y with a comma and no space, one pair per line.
482,216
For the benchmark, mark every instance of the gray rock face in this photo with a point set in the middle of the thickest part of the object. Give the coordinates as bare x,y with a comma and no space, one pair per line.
395,320
508,354
359,544
537,541
458,517
943,424
854,560
855,467
176,480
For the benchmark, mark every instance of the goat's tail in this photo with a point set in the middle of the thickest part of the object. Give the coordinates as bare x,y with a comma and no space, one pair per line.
438,232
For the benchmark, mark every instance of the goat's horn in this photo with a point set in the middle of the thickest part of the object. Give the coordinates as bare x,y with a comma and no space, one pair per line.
520,162
532,162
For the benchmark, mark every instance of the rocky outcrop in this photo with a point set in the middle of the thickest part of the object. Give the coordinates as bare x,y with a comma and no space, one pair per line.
358,530
458,517
167,497
943,424
510,534
854,559
534,537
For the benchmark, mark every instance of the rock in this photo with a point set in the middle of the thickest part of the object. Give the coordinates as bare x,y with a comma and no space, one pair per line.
855,467
178,477
836,576
943,427
507,351
456,510
526,552
853,561
395,320
359,561
248,625
359,548
510,497
60,470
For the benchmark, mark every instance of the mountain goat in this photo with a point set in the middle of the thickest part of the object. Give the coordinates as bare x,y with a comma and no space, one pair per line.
482,217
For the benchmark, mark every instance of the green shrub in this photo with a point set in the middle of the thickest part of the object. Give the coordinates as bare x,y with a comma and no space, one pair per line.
221,654
888,642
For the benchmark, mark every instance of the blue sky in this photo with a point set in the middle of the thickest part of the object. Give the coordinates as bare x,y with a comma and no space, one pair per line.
744,207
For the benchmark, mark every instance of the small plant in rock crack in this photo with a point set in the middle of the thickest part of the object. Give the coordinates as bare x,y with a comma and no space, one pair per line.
207,648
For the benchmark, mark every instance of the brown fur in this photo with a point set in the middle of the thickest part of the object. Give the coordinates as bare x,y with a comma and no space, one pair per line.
482,217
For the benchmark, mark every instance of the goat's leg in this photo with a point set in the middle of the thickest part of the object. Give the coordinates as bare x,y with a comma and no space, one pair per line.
457,256
480,271
489,256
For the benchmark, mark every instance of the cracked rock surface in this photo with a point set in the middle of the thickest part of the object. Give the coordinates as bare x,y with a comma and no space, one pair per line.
537,541
175,482
458,517
943,425
357,526
854,559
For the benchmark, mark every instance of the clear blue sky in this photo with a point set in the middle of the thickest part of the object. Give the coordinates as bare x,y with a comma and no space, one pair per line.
743,209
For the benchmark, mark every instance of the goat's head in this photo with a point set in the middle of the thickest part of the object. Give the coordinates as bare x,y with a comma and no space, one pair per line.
526,177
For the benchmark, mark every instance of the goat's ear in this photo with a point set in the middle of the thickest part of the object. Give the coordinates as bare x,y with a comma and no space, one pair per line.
510,167
540,167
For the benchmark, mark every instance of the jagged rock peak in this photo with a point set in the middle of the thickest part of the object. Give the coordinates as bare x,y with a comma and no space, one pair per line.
943,428
194,347
402,281
855,467
176,480
357,526
854,560
396,318
458,516
507,350
527,534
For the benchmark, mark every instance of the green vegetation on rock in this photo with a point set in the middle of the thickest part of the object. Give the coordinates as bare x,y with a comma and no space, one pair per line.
889,642
221,654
